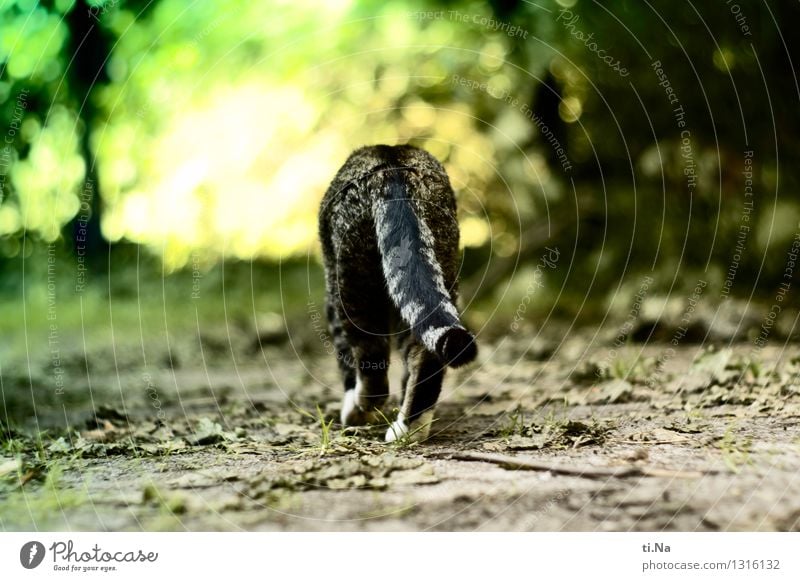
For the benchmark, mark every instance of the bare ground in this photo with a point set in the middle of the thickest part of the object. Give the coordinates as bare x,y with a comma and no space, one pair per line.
531,438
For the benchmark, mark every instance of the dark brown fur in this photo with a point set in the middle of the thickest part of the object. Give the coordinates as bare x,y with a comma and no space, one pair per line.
389,238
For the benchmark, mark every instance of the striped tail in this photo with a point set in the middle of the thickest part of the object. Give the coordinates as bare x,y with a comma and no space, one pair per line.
413,275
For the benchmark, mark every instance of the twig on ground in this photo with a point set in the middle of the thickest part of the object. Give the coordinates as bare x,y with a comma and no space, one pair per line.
511,462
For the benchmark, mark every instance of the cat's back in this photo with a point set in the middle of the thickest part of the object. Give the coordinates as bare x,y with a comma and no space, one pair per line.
368,161
347,204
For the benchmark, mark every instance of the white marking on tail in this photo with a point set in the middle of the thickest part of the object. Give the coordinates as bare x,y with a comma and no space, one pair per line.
431,335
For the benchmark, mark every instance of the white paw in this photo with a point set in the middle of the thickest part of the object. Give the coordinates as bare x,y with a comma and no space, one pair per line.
397,430
349,408
418,431
352,412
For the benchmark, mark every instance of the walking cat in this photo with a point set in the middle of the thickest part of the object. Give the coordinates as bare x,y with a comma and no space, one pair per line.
389,238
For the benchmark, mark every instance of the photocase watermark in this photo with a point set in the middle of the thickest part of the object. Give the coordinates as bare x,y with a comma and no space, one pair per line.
687,153
152,394
197,275
522,107
744,225
569,21
96,12
679,114
53,337
158,101
627,326
31,554
548,134
484,21
678,111
399,256
545,508
20,106
791,258
319,327
210,27
780,296
664,83
84,213
67,557
547,260
687,317
738,15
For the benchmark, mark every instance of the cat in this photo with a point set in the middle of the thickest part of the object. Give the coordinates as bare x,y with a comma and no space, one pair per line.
389,236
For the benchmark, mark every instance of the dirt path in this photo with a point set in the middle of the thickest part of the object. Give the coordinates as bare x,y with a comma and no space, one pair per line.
709,441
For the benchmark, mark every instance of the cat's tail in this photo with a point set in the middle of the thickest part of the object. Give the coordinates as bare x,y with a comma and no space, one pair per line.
414,276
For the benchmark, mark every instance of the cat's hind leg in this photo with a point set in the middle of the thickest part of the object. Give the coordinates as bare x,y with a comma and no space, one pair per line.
425,373
344,353
363,403
367,360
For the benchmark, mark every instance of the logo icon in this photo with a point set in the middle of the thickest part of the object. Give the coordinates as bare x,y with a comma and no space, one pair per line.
31,554
399,256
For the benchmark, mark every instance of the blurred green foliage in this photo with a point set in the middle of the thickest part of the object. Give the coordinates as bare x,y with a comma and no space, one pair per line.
211,130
